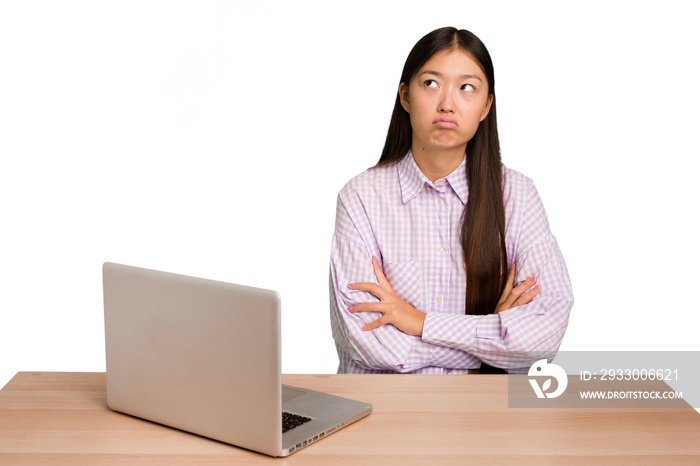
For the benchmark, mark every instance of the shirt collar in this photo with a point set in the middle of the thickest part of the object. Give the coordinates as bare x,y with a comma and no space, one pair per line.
412,180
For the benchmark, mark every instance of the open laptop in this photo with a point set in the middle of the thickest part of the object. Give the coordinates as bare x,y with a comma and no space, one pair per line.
204,356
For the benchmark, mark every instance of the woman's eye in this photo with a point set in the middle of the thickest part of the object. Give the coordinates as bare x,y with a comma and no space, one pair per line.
430,83
468,87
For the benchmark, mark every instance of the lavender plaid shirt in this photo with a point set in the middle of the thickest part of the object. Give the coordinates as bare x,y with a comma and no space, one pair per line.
412,226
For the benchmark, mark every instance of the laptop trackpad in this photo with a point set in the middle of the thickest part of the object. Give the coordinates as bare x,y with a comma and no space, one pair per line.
290,393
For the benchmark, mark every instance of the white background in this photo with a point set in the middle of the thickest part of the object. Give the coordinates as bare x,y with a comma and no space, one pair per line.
211,139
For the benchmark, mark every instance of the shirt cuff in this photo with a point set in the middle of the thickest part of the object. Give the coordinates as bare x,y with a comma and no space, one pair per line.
419,356
451,330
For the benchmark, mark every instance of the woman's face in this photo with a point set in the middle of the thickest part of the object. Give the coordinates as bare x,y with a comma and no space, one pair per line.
446,100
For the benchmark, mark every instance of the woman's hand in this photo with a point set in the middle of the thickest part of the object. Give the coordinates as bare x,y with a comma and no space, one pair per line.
394,310
512,297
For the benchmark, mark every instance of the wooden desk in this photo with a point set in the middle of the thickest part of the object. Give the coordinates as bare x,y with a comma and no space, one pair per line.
62,418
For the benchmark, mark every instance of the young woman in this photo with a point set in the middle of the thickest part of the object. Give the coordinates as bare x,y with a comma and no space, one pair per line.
430,243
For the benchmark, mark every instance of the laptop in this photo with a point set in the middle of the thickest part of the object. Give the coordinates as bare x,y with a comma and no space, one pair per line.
205,357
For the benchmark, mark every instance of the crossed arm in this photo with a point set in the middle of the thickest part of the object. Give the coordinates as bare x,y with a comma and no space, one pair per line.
380,331
403,316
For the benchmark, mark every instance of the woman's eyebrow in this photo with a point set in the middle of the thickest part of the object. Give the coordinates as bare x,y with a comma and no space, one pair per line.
439,75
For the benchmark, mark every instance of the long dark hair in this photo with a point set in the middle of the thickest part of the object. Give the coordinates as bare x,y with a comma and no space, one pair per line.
483,219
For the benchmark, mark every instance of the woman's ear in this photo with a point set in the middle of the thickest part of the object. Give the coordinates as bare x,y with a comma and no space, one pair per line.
403,96
485,112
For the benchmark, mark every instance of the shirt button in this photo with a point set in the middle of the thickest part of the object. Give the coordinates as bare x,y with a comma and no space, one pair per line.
440,201
438,300
441,250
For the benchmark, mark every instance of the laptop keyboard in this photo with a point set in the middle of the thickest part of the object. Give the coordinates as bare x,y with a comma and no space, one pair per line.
290,421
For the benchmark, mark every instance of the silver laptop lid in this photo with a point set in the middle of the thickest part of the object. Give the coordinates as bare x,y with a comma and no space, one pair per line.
199,355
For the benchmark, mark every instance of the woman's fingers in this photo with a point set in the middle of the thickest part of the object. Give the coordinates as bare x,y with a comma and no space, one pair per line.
517,292
377,306
370,287
394,310
376,324
372,307
527,297
513,296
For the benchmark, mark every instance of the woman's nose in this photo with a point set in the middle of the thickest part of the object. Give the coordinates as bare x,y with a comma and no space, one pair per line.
447,103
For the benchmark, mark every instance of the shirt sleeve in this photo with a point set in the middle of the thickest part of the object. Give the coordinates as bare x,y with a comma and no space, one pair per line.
386,347
512,338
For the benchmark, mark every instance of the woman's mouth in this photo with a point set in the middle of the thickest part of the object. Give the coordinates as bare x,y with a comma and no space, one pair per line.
445,122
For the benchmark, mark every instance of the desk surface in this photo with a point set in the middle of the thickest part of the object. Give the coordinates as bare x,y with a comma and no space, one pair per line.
63,418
